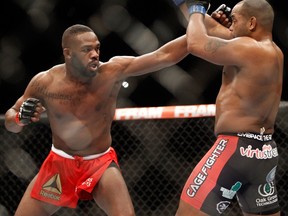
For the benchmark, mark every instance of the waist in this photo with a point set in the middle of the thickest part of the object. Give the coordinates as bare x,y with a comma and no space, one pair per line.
249,135
65,155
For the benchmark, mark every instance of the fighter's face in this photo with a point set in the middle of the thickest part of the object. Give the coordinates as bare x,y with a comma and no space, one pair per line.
85,54
240,24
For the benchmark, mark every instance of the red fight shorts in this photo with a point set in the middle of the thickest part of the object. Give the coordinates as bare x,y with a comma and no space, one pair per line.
64,179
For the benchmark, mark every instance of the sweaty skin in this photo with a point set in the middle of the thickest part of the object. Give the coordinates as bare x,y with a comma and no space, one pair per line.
250,93
80,95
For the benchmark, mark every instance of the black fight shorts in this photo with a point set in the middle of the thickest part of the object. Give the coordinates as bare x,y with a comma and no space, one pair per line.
240,165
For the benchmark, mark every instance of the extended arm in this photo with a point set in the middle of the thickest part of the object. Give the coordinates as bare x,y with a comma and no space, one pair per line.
167,55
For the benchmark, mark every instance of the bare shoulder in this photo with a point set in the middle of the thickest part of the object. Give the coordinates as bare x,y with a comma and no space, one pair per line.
48,75
116,65
244,43
43,79
253,50
121,61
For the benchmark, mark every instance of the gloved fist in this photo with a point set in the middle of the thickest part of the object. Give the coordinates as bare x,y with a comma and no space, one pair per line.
198,6
27,111
223,15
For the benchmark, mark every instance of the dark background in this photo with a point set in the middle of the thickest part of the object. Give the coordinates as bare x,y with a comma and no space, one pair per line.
30,42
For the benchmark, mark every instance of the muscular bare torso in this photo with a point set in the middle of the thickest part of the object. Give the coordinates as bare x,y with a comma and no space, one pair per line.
80,114
249,97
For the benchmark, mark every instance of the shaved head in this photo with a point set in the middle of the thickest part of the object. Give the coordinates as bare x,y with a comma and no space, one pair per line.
260,9
73,31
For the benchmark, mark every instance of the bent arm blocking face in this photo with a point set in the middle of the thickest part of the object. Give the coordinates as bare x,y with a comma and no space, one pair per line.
211,48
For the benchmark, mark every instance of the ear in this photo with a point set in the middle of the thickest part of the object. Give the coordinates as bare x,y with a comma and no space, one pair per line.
253,23
66,53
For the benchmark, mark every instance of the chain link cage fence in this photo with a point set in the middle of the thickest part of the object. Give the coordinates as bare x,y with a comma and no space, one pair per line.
156,157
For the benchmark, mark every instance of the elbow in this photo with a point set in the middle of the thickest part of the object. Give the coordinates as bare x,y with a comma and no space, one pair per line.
192,47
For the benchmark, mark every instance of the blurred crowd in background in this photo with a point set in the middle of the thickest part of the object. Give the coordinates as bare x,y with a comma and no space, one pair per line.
30,42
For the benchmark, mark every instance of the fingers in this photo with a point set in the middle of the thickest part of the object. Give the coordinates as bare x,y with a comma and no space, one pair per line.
38,111
221,17
40,108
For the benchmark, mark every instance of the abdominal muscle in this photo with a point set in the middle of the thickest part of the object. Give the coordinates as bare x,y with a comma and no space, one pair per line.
81,139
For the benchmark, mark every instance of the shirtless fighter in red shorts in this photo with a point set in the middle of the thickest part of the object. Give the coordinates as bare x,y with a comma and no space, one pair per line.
79,97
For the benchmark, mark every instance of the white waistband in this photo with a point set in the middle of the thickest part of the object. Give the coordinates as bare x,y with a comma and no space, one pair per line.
65,155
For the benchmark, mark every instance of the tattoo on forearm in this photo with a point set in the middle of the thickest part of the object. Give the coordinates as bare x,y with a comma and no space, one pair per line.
213,45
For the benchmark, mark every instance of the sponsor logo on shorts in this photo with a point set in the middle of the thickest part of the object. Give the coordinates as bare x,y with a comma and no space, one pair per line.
229,194
52,189
222,206
202,175
260,137
267,190
266,152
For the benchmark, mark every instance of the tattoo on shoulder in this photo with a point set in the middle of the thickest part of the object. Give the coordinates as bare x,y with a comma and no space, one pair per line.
213,45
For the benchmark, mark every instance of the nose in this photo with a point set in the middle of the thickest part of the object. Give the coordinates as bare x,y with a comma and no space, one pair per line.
231,27
94,54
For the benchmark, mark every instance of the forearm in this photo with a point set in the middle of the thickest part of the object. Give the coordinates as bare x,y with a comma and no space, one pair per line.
175,51
10,122
216,24
196,32
216,29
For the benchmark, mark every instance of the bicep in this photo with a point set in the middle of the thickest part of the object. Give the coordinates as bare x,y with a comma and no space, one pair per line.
222,52
165,56
140,65
135,66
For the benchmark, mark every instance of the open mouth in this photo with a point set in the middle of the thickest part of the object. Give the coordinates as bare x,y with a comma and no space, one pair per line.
93,66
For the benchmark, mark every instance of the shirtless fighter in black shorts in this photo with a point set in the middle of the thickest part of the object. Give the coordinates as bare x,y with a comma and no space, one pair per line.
243,160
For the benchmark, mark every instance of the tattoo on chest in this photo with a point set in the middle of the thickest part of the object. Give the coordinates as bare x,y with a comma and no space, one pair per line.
69,96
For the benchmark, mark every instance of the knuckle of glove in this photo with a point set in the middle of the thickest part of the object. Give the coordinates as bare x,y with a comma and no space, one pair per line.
225,10
27,110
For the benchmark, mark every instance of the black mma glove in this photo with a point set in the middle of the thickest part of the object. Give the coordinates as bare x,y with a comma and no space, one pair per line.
226,10
26,112
198,6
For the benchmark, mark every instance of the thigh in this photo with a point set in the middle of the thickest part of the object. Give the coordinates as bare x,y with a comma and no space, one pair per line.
112,195
29,206
211,186
185,209
259,194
